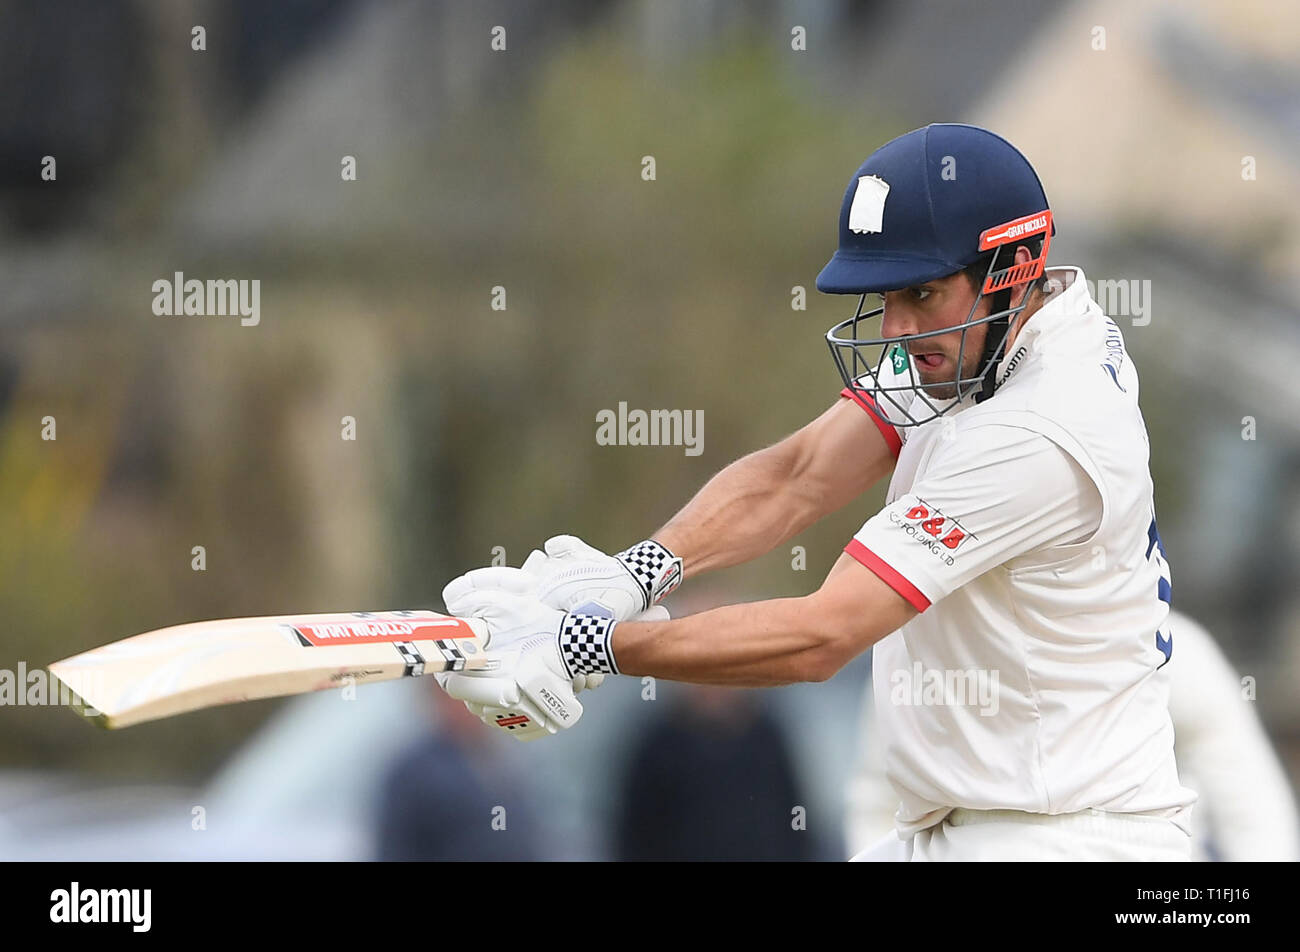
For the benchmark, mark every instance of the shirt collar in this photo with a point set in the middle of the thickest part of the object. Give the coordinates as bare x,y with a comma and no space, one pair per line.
1060,310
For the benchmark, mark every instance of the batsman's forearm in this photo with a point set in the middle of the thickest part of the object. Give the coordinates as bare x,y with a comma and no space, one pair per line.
757,644
744,511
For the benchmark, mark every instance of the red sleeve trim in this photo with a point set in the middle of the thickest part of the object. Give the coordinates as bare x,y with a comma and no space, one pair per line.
886,430
888,575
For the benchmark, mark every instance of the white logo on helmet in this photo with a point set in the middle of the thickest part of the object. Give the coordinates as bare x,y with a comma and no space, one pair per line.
868,209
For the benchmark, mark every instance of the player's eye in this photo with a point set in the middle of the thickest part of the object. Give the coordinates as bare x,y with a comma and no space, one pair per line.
919,294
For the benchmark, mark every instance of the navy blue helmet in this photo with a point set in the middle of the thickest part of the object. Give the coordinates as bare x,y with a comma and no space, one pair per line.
926,205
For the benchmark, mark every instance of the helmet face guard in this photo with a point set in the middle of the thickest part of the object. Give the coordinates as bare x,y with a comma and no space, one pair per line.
879,371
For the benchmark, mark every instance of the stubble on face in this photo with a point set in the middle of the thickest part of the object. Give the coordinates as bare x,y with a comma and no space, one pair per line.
940,380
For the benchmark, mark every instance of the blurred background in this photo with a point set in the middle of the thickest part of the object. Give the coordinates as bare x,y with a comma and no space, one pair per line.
502,267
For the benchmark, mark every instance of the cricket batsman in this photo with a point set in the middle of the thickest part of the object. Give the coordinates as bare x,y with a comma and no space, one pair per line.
1014,590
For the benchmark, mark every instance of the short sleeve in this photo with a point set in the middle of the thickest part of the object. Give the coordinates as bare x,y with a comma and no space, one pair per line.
892,434
884,416
989,494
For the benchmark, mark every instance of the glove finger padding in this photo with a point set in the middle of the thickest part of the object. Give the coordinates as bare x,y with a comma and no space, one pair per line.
571,547
510,618
535,563
496,702
587,682
479,688
521,721
499,578
540,678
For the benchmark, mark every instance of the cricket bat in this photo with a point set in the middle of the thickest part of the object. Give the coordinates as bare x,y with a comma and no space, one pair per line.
187,667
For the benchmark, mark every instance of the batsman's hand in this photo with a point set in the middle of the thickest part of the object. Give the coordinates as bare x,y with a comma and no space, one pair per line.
573,576
530,690
527,690
495,699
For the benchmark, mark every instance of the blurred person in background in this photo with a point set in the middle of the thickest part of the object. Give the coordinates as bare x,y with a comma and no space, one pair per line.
1245,811
712,780
451,797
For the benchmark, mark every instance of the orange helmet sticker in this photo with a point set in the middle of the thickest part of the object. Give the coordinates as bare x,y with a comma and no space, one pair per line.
1009,232
1016,229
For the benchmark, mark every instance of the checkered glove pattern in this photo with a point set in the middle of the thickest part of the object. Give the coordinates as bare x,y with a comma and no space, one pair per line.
584,644
654,568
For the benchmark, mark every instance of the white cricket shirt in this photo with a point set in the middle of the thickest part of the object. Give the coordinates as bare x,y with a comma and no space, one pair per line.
1023,530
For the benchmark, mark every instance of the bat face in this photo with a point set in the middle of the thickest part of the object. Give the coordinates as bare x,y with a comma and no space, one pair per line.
186,667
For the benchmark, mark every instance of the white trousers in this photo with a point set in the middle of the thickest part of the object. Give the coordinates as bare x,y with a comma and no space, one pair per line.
1090,835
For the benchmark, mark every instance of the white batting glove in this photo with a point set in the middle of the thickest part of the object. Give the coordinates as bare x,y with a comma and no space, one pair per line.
521,692
539,654
579,577
573,576
528,678
543,567
495,699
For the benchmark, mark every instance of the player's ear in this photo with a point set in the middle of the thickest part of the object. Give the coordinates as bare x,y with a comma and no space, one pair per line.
1023,256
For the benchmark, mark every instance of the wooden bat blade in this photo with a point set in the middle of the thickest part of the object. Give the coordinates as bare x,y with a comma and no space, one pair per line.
203,664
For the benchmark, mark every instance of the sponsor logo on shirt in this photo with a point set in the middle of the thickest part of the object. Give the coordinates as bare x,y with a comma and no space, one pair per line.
1114,353
939,533
1012,365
